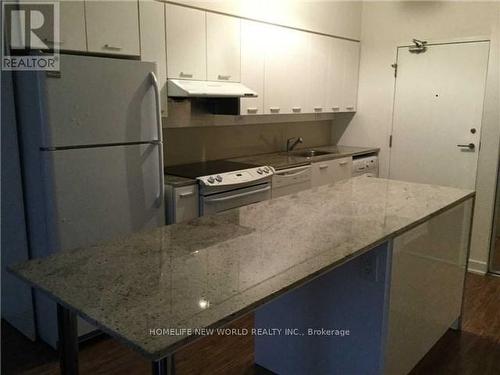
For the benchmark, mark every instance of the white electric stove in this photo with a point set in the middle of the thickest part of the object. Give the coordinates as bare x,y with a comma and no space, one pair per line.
225,184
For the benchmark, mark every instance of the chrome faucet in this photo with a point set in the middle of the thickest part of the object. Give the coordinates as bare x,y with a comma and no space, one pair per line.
290,143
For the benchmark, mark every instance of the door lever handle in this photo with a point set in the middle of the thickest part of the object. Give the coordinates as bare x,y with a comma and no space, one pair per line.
470,146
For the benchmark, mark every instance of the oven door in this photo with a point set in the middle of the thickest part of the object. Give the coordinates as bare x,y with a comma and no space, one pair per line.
235,198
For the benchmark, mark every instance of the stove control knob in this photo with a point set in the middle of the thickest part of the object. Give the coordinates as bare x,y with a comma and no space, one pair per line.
211,180
259,171
218,178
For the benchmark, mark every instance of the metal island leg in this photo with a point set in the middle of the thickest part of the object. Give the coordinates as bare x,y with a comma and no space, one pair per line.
68,341
164,366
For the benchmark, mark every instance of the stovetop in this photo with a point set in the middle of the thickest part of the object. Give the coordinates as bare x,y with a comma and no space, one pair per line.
207,168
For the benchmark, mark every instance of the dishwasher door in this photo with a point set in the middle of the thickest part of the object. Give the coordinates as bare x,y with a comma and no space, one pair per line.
291,180
235,198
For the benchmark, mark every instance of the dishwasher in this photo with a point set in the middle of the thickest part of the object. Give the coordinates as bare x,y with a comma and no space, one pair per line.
291,180
365,166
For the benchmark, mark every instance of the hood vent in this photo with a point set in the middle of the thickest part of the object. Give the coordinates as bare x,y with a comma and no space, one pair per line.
179,88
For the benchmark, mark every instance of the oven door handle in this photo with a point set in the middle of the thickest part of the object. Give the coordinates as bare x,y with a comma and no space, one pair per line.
215,200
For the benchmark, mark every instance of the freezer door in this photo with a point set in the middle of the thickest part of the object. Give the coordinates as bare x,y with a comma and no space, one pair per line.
102,193
95,101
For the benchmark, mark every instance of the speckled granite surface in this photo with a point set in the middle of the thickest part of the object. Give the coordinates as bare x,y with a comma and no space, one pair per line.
207,271
282,160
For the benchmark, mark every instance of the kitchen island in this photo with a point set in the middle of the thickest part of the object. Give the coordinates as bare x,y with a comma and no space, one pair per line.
149,289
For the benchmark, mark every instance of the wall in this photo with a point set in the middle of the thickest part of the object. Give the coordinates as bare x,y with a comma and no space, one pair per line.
185,145
338,18
385,25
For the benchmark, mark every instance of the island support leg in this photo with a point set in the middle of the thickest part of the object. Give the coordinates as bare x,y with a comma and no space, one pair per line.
164,366
68,341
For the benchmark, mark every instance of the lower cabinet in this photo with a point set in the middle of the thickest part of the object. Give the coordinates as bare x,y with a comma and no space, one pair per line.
182,203
330,171
427,279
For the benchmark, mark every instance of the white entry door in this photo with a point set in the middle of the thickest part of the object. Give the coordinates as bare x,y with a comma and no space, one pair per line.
438,106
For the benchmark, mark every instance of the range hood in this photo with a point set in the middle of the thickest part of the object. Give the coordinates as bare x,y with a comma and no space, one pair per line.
180,88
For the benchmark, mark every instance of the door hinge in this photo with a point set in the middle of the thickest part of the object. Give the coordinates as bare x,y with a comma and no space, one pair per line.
395,67
390,141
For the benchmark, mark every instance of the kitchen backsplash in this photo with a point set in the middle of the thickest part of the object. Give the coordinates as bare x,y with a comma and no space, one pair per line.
186,145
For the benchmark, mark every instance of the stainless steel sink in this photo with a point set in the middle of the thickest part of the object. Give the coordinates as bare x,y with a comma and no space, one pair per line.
310,153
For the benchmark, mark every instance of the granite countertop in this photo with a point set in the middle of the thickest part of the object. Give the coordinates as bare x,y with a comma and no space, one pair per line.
282,160
213,269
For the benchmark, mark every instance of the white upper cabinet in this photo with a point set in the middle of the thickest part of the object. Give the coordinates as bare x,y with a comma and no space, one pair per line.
113,27
351,75
335,76
72,26
152,32
72,36
286,69
319,55
223,48
186,42
342,76
253,37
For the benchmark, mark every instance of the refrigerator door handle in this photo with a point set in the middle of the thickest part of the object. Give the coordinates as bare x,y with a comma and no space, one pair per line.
156,88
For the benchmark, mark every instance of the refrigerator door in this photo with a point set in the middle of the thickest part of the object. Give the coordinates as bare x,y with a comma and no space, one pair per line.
17,299
98,193
103,192
98,101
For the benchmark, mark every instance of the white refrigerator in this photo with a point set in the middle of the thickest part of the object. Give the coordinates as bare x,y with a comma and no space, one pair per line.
91,141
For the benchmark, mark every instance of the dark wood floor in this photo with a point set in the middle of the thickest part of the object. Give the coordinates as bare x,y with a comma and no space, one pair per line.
475,350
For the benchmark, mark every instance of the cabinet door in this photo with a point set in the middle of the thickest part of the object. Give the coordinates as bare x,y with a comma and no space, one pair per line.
253,41
342,169
319,54
186,43
113,27
72,35
152,22
186,203
223,48
335,75
285,76
350,79
331,171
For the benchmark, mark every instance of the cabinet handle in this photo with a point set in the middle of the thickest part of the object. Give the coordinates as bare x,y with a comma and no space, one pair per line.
50,41
343,163
335,109
351,108
274,109
186,75
252,110
470,146
223,77
113,48
318,109
323,166
185,195
296,109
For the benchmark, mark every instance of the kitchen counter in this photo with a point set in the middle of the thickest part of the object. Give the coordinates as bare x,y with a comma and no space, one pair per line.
177,181
213,269
282,160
